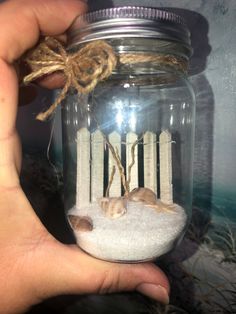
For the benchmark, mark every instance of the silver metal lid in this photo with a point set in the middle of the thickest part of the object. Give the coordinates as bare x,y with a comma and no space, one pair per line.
129,22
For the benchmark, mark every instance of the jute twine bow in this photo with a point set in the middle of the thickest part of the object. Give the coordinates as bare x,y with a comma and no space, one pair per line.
84,69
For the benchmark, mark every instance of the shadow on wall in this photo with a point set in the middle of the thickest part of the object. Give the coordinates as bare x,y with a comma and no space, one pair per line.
199,28
203,156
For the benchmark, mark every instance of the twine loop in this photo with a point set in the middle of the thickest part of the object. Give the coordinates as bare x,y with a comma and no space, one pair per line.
85,68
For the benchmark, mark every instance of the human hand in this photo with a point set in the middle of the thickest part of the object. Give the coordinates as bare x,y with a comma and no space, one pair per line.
33,264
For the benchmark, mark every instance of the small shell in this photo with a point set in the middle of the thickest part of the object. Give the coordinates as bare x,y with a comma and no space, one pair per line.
113,207
161,207
144,195
80,223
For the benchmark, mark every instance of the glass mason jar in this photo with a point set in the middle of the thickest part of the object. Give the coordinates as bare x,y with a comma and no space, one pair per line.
128,144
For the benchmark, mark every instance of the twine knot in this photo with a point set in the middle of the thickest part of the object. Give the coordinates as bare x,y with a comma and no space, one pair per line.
83,69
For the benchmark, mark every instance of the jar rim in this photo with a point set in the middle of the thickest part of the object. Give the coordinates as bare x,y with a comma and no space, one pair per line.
129,22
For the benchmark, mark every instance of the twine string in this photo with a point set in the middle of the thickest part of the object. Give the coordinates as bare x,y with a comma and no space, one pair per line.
85,68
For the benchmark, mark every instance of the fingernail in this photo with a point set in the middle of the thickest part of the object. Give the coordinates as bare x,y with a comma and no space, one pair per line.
155,292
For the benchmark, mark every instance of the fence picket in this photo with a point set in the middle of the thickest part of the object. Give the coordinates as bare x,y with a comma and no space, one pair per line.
97,165
90,169
115,189
131,138
83,168
166,190
150,161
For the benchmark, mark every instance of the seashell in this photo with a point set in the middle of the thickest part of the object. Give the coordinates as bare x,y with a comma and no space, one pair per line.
80,223
149,198
113,207
144,195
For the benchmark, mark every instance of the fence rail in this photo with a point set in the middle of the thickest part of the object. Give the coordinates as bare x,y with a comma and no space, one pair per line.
91,149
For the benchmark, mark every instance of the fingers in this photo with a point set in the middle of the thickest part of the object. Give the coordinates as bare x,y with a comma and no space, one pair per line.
27,94
10,156
22,21
55,80
74,272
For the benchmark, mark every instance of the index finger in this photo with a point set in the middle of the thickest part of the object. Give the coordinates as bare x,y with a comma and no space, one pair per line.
22,22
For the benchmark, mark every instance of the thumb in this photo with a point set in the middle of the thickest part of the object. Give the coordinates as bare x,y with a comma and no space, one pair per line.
68,270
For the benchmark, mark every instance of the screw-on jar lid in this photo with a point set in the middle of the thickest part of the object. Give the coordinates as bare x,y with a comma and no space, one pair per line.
129,22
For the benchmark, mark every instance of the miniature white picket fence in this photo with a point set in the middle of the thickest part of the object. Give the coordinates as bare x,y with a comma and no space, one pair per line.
90,165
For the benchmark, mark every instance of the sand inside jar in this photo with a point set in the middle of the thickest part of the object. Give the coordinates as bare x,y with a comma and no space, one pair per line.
141,234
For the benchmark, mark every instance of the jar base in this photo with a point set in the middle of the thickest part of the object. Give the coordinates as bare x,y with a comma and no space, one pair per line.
142,234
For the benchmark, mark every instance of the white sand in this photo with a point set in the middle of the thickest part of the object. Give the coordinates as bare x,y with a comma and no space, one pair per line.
141,234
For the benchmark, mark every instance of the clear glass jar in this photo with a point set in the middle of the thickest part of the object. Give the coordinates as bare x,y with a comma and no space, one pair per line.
128,144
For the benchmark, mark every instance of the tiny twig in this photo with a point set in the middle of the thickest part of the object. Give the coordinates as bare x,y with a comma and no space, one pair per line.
122,172
111,180
132,161
116,157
